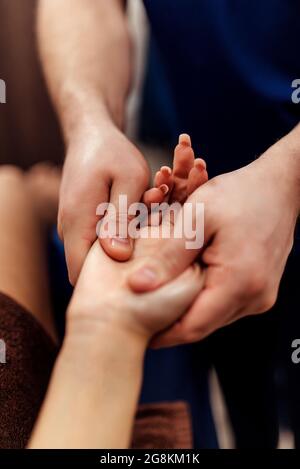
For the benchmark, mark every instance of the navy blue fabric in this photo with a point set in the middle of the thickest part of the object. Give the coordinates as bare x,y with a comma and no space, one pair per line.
226,68
221,70
229,65
180,373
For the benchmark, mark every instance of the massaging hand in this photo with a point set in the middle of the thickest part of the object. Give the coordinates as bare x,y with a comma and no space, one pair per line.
97,169
102,295
250,216
102,292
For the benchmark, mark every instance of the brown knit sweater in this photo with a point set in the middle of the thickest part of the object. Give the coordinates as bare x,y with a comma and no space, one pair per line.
30,356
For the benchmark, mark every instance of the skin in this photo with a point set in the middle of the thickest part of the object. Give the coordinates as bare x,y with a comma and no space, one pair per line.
240,279
250,217
100,162
108,330
109,327
23,255
92,398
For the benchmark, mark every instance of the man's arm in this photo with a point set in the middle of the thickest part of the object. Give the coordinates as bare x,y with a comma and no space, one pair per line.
86,54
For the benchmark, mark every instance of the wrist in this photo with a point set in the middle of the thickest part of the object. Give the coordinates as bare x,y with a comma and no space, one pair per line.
102,337
93,391
282,161
291,146
88,112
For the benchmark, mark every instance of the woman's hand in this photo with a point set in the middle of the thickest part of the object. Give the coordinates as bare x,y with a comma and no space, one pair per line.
96,381
94,389
102,296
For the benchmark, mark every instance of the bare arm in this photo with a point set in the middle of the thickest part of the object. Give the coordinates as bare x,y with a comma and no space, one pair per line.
94,389
92,398
85,51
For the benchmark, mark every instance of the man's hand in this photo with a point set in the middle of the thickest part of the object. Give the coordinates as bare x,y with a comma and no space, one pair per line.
100,164
250,217
87,60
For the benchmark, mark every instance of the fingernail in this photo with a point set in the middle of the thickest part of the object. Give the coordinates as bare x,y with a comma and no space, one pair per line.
118,241
166,170
185,139
164,188
200,163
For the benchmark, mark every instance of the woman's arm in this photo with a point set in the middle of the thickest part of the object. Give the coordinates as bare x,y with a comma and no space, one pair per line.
96,382
94,390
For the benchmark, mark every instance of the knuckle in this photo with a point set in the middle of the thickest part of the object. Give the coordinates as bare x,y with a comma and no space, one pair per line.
139,171
141,176
257,283
194,332
267,302
67,210
199,333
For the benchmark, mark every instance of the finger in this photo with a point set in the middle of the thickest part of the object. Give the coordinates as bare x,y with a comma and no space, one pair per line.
173,256
213,309
120,245
169,303
77,227
164,176
200,162
174,252
155,195
78,233
183,157
197,176
76,250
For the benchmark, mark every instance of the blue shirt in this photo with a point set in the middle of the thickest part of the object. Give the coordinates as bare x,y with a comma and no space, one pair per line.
229,65
222,71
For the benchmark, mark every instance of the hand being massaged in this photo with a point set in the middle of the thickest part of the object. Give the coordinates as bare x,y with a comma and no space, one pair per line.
103,281
97,377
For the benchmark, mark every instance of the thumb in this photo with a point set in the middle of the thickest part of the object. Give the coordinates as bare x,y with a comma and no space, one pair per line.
173,255
215,307
120,245
164,306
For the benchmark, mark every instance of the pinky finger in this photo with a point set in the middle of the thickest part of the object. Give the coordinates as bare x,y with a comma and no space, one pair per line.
155,195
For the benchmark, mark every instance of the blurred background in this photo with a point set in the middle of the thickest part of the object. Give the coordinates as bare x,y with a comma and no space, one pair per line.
29,131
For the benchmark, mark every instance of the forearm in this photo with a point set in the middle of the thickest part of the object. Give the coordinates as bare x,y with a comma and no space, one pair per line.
85,51
284,157
92,397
